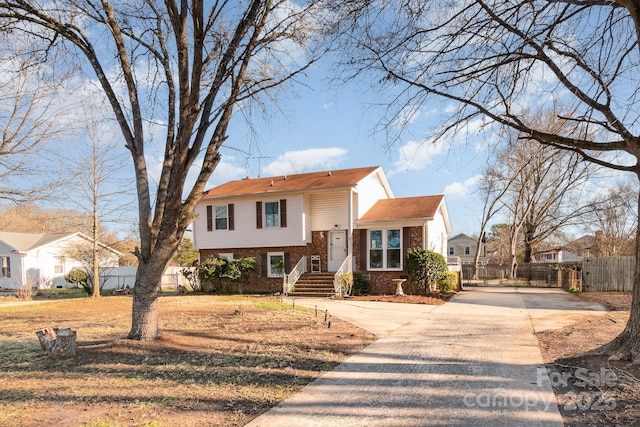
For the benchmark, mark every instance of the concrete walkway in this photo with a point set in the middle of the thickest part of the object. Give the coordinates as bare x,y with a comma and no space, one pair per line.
471,362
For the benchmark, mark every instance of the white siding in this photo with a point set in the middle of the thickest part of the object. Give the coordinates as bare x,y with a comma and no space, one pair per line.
306,217
328,209
370,190
437,235
40,263
16,270
245,233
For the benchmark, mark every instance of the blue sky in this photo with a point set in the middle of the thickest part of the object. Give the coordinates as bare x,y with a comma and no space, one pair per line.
324,126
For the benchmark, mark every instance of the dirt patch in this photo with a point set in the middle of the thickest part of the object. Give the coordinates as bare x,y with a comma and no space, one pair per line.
591,390
431,299
220,361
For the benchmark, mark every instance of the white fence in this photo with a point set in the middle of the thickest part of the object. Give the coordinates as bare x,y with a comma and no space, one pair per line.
121,277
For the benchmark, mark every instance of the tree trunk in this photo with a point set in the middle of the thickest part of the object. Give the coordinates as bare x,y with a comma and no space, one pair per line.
476,260
144,312
627,344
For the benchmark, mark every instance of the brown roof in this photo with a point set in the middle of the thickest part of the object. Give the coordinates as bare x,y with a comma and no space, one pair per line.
423,207
304,181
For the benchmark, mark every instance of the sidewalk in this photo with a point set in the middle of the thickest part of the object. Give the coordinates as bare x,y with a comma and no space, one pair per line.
471,362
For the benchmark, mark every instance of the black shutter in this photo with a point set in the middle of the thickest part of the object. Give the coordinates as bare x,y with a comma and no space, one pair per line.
209,218
283,212
363,250
405,242
230,211
287,263
258,214
264,267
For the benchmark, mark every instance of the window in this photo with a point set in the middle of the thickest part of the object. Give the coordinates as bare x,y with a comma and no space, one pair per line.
228,256
221,217
6,266
271,214
276,264
452,250
385,249
274,215
467,250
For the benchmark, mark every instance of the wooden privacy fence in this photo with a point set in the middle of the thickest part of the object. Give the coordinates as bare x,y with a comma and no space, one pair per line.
608,274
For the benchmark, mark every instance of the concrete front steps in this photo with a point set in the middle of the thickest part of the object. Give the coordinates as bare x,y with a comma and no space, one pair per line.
314,285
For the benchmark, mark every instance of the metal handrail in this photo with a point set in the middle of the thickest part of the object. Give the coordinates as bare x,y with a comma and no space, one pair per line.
291,278
345,267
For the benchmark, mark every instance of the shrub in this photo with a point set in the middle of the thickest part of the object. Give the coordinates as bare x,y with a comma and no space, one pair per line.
234,271
425,268
239,271
26,292
191,274
448,283
212,269
360,285
346,283
80,278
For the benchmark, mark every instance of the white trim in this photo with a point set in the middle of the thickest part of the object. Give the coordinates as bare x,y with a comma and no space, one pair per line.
270,273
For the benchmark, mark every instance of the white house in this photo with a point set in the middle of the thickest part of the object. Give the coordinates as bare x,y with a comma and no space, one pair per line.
557,256
42,260
342,220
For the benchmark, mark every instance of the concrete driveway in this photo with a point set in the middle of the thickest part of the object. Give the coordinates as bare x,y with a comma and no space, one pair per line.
471,362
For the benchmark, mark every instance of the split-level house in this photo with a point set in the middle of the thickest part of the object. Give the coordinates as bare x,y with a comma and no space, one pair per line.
42,260
321,222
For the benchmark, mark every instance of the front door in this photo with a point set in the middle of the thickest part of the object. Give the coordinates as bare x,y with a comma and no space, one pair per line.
337,249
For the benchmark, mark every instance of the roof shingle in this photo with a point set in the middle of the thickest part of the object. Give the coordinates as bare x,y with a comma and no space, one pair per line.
422,207
305,181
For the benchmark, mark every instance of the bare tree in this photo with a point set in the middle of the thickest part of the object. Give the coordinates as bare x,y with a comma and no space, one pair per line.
507,60
28,121
99,185
546,194
29,218
493,187
615,221
186,66
97,261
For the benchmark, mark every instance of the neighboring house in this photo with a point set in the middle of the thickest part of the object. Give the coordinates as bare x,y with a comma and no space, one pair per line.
42,260
464,247
557,256
343,220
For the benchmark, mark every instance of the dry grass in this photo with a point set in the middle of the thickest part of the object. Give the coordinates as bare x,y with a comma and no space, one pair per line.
611,403
221,361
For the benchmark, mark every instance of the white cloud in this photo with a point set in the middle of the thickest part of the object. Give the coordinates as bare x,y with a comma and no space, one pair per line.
462,190
417,155
226,171
302,161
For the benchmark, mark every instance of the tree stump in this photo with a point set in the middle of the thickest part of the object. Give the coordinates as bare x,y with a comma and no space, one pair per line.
59,342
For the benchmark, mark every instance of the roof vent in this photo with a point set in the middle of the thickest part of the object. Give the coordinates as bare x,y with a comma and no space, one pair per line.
285,177
272,183
329,174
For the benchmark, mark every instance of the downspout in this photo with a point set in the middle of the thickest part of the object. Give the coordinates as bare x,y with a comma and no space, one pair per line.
425,235
350,230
